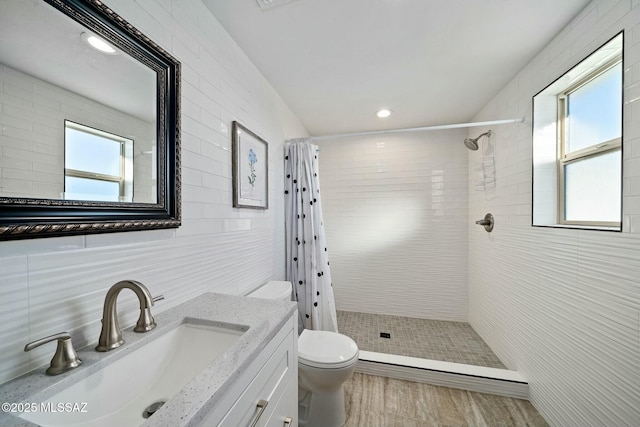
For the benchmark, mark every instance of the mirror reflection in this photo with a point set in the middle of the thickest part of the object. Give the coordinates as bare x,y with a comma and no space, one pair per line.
77,122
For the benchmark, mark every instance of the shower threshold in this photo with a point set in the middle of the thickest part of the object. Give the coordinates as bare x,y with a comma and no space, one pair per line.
445,353
447,374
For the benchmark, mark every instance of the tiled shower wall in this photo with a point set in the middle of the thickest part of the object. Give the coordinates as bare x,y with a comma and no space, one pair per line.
562,306
395,213
58,284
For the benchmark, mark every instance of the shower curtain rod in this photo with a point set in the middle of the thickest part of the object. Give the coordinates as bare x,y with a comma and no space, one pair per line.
437,127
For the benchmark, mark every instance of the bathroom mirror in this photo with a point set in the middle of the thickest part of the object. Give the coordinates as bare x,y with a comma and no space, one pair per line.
577,144
89,122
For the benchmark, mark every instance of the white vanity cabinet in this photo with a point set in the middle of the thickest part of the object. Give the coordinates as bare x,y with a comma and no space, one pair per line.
272,377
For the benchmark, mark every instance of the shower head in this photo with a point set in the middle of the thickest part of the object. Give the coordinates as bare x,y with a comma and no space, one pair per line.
472,143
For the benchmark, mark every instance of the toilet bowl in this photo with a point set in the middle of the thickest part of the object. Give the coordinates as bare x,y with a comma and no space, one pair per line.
325,361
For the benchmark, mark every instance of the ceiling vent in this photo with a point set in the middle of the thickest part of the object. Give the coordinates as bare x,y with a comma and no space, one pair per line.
270,4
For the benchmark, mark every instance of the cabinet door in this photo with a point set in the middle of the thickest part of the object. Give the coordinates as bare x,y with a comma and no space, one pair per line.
261,397
287,407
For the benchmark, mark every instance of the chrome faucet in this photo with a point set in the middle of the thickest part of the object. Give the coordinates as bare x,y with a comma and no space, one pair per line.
111,334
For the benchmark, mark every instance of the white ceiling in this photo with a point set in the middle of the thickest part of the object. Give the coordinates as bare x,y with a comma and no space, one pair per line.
336,62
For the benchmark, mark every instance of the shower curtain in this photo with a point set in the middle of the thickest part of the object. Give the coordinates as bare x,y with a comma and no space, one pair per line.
307,258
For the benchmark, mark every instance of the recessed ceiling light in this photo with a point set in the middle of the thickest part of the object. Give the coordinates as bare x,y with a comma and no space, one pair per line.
383,113
98,43
268,4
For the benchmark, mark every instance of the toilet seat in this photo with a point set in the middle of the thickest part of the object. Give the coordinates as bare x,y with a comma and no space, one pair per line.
324,349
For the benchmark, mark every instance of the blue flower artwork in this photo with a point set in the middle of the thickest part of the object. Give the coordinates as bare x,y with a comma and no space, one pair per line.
253,159
250,169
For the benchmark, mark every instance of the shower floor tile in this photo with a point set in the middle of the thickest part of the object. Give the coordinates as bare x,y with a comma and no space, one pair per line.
427,339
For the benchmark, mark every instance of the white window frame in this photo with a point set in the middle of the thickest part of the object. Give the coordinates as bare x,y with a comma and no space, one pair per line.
565,158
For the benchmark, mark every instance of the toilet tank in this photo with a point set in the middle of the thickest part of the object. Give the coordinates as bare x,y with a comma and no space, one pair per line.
273,290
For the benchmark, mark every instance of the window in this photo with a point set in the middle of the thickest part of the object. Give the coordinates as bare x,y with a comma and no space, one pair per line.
589,161
95,164
577,144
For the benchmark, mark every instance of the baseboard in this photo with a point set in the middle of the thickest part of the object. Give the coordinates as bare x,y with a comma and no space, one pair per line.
456,375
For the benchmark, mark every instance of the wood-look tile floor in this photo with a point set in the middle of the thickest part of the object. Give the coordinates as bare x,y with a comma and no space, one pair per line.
373,401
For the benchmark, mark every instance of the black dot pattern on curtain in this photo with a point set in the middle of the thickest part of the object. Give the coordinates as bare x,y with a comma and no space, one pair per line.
307,260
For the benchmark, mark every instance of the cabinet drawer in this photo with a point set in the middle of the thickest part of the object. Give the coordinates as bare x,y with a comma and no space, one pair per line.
268,385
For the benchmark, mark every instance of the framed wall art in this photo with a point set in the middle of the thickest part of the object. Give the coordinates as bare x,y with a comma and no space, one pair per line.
250,168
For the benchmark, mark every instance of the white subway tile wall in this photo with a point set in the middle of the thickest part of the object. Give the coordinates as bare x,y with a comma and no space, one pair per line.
395,212
562,306
57,284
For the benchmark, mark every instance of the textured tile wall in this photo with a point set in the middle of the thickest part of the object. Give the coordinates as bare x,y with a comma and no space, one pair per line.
395,211
57,284
562,306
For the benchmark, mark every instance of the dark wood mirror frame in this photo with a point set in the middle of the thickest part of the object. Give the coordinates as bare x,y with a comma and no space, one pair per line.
23,218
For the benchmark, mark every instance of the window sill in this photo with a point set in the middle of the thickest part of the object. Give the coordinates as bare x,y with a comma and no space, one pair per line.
579,227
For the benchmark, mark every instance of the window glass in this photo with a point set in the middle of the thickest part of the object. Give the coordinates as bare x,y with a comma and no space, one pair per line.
91,189
92,153
594,115
593,188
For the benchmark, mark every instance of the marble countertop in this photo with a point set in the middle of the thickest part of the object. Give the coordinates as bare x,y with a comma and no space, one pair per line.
264,318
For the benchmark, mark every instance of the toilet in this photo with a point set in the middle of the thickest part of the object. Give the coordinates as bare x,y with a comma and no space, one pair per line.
325,361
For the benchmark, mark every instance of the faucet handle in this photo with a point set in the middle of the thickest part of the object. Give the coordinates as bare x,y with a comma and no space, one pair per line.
65,357
487,222
145,322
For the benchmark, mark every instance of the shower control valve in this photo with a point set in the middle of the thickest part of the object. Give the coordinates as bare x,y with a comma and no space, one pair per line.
486,222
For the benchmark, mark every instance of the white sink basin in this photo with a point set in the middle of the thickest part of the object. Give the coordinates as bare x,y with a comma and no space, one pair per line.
118,394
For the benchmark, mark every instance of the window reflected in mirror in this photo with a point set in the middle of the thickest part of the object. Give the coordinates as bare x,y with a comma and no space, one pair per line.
98,165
